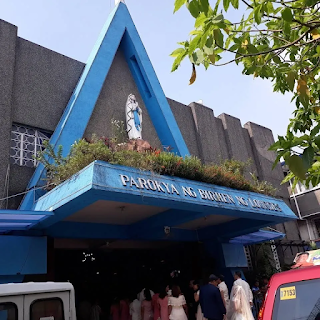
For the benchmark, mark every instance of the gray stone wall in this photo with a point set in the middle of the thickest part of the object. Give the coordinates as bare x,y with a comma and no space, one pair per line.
8,35
43,83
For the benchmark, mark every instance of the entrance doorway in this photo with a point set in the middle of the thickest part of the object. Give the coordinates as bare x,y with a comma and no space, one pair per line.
106,273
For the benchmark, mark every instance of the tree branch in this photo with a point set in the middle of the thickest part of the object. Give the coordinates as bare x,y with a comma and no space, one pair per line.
273,49
275,17
258,30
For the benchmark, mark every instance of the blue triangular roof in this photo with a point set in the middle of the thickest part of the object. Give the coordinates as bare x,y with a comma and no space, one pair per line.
118,31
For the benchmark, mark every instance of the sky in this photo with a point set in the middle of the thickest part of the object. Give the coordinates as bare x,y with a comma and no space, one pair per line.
71,27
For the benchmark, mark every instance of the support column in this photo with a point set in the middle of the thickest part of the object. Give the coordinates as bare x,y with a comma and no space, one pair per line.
225,259
50,260
22,256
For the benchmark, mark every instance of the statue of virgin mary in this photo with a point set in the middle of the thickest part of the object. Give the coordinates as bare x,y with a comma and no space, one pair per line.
133,118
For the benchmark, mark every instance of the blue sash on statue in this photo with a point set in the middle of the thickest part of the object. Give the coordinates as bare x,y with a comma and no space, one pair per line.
136,119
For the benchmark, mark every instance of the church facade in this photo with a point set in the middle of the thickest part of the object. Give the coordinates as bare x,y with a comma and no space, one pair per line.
48,96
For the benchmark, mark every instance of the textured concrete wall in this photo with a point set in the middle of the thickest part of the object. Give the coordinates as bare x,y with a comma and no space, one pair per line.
210,147
261,139
43,83
112,102
235,139
184,118
8,36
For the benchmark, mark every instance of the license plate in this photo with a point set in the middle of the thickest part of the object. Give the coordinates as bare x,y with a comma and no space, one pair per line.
288,293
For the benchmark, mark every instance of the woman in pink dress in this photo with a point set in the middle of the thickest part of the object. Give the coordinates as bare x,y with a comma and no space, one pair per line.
163,304
146,306
124,309
155,306
115,310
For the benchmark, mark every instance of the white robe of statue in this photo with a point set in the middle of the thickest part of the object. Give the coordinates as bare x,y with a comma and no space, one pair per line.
133,118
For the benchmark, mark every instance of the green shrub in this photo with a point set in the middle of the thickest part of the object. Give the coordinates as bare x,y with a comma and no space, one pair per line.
230,173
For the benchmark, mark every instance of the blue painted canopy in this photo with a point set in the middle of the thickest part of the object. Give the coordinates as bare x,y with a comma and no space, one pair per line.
183,201
257,237
21,220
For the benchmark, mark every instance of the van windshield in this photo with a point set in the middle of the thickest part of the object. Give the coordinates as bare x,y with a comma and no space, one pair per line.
298,301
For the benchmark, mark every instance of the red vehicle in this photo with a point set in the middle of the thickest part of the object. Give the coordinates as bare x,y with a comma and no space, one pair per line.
293,295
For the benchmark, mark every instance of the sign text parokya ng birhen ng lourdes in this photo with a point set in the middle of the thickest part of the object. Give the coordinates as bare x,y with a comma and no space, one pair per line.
195,193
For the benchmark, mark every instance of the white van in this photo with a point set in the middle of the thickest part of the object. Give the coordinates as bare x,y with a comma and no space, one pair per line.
37,301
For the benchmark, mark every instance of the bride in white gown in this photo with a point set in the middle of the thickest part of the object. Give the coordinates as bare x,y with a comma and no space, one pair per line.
240,308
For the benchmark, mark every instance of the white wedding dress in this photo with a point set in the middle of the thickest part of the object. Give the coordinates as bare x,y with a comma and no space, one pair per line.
240,308
177,312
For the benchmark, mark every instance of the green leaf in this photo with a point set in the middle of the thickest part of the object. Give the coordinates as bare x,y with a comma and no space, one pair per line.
287,178
286,27
296,166
317,141
200,56
228,41
177,52
195,32
276,162
200,20
286,14
234,47
307,157
252,49
177,61
276,59
194,43
269,7
226,4
209,46
204,5
178,4
217,19
208,50
235,4
257,14
316,165
194,8
218,37
318,49
212,58
275,146
291,78
315,130
210,42
203,40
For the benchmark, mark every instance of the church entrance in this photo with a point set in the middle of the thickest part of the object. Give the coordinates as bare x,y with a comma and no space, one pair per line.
104,274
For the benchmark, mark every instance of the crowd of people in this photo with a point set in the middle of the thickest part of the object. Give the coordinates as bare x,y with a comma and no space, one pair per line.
210,301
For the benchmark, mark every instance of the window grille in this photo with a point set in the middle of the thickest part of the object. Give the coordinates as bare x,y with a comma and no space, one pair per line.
26,142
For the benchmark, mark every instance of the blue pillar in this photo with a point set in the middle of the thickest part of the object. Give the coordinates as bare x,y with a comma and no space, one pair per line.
228,258
21,256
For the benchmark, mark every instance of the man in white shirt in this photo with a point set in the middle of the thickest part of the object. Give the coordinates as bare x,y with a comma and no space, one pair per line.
224,291
245,286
